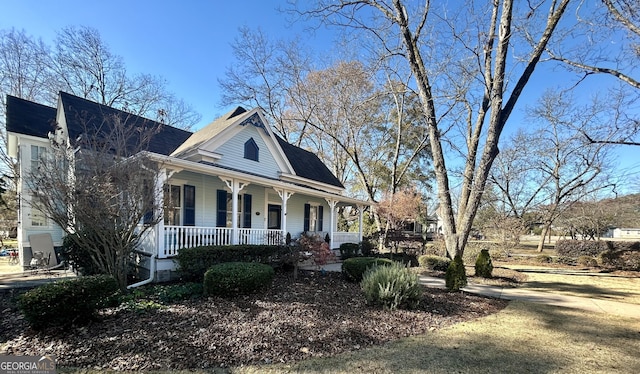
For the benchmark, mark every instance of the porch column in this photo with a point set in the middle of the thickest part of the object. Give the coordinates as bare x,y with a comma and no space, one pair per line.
158,203
332,206
284,195
360,215
235,186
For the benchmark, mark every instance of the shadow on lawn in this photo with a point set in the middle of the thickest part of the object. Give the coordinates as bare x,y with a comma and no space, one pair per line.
525,337
582,290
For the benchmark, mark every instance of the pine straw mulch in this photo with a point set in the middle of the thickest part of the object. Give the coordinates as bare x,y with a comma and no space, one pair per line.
319,315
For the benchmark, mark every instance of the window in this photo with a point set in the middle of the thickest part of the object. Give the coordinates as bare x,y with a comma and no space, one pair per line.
313,217
189,205
37,154
38,219
251,150
172,205
225,210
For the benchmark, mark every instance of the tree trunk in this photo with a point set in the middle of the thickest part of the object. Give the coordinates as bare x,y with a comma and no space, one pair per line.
543,236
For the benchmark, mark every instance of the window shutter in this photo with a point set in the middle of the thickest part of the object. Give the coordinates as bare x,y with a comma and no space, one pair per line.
307,213
320,217
221,217
189,205
246,221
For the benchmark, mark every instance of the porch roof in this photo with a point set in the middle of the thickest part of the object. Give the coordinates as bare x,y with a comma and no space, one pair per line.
321,190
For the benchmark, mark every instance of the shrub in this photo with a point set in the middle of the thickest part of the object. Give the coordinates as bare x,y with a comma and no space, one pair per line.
392,286
194,262
354,268
587,261
544,259
237,278
456,276
577,248
620,260
67,302
78,257
348,250
484,266
566,260
408,258
433,262
366,247
176,292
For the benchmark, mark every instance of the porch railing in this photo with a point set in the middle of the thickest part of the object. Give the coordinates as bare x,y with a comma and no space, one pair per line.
177,237
344,237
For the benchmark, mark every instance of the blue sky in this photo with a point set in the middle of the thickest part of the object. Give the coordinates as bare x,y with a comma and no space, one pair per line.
189,42
186,42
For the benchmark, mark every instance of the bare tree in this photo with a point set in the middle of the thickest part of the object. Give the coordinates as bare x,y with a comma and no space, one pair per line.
567,167
100,190
264,75
23,73
85,66
471,45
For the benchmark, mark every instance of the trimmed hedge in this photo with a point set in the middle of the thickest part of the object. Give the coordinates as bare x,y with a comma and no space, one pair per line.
348,250
354,268
237,278
194,262
433,262
68,302
577,248
620,255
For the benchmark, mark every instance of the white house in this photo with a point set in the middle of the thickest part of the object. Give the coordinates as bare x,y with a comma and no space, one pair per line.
232,182
624,233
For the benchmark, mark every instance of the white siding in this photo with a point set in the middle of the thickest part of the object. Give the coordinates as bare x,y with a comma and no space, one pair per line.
233,154
24,227
206,196
295,214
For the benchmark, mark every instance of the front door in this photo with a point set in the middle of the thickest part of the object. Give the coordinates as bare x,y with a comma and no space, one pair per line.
274,217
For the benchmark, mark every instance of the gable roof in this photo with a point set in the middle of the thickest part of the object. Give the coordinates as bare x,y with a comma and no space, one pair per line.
208,132
29,118
81,113
307,164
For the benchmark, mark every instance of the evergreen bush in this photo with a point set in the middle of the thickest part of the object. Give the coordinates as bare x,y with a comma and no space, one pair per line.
348,250
194,262
237,278
456,276
67,302
354,268
433,262
393,286
484,266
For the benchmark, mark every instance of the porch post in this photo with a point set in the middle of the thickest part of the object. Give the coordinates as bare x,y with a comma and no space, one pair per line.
332,205
284,195
235,187
158,203
360,211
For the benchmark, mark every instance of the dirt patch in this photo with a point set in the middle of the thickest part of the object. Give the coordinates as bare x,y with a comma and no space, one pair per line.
320,315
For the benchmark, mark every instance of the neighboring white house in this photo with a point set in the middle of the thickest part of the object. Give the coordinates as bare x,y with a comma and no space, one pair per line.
233,182
624,233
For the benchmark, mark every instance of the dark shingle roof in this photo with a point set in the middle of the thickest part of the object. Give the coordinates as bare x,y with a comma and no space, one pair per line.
81,113
26,117
307,164
29,118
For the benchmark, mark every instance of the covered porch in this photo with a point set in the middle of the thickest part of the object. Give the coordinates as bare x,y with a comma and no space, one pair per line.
204,204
